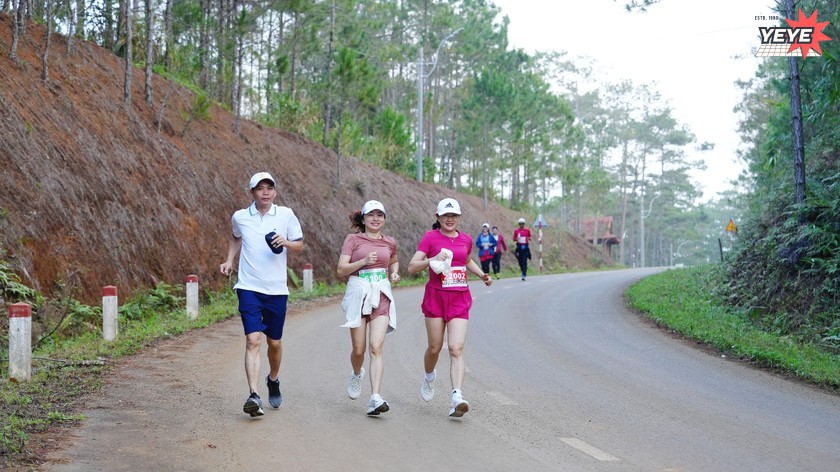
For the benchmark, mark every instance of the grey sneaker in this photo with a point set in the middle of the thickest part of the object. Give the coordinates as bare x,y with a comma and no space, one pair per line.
253,405
275,398
458,406
354,386
377,405
426,389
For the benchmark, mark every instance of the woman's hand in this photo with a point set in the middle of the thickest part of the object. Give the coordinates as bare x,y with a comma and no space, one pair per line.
395,278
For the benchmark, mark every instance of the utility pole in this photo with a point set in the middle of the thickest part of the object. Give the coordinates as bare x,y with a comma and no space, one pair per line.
420,141
421,63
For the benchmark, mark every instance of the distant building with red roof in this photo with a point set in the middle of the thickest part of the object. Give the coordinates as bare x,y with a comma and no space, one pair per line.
599,231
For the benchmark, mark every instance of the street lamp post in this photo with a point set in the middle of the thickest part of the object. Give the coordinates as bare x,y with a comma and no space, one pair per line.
679,246
642,216
420,76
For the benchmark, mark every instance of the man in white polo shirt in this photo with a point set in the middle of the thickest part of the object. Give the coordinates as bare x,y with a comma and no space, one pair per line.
263,234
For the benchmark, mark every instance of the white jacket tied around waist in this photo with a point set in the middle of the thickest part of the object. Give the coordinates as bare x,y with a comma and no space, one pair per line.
361,297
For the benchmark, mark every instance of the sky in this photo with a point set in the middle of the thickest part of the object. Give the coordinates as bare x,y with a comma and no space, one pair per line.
693,51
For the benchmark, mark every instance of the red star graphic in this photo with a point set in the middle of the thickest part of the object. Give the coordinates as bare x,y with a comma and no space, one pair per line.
816,37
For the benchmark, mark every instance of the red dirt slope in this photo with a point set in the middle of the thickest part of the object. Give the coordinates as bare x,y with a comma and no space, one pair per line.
116,199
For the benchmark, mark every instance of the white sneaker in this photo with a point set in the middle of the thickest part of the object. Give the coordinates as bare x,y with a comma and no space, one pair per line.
426,389
458,406
354,386
377,405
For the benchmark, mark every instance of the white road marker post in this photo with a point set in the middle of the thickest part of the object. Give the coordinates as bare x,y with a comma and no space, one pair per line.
307,278
20,342
109,313
192,296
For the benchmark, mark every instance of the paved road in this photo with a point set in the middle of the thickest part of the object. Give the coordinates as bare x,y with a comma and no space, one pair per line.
560,377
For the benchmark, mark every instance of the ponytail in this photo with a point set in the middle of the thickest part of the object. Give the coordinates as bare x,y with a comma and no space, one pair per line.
357,221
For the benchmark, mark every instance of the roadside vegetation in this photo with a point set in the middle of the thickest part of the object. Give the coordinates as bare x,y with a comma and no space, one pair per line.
690,302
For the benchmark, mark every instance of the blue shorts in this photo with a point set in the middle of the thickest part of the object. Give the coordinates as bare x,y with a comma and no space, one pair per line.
261,312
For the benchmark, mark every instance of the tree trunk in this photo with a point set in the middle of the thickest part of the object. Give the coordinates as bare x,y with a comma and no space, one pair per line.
796,110
340,113
328,77
514,184
121,15
128,66
237,94
167,36
150,43
204,46
280,31
71,24
293,62
624,196
16,30
484,173
217,83
45,66
237,29
108,30
643,188
81,16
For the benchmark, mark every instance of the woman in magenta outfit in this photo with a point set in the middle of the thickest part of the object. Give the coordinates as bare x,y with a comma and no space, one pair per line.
445,252
369,258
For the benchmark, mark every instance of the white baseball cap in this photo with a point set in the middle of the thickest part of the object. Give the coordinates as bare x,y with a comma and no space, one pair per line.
448,205
521,220
485,225
371,205
259,177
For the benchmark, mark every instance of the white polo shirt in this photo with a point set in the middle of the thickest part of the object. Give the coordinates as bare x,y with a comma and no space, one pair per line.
260,270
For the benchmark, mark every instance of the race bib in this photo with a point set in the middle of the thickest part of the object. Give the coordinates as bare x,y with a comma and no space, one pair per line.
373,275
456,278
522,240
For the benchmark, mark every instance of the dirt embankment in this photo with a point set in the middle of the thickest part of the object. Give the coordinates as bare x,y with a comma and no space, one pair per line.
127,198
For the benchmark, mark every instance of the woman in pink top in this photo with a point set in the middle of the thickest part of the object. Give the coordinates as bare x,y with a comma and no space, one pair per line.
445,252
369,258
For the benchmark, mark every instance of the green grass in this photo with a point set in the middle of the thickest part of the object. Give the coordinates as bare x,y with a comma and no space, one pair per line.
684,300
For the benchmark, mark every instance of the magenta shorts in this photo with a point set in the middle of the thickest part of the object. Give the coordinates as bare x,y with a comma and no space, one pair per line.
446,304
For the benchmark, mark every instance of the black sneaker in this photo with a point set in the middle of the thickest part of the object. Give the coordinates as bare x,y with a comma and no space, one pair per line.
253,405
275,398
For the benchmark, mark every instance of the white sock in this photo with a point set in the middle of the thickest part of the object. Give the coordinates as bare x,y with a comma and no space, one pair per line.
430,377
457,390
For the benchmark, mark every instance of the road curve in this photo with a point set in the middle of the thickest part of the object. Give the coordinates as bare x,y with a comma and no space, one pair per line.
561,376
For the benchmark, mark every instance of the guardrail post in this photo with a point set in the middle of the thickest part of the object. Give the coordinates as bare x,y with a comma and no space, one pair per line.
109,313
307,277
192,296
20,342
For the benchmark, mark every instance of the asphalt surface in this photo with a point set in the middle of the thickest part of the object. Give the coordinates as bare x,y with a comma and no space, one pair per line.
560,376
